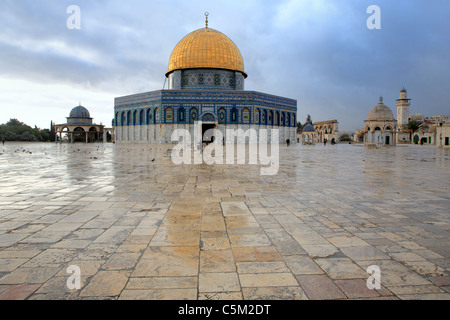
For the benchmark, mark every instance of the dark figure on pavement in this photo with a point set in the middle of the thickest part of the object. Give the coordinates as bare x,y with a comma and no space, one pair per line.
3,140
288,142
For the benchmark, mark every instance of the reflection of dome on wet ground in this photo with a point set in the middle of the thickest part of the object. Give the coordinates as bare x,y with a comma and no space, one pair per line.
205,79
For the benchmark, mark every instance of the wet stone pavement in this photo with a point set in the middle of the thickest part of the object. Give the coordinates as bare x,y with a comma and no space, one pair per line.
140,227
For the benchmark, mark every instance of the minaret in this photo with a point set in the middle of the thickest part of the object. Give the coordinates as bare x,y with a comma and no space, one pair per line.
403,135
403,109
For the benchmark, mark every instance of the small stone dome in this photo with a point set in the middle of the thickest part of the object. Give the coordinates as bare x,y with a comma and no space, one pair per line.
380,113
308,128
79,112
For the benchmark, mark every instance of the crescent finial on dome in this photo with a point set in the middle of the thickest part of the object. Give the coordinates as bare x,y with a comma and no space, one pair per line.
206,15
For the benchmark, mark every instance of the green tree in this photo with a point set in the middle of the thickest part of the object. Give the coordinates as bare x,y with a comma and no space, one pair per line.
345,137
308,120
52,133
14,123
299,127
14,130
413,126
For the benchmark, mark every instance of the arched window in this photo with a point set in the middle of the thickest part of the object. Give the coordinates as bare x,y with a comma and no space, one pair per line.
208,117
142,117
193,115
234,115
283,123
116,122
270,120
135,117
149,116
246,115
181,115
257,116
222,116
169,115
122,118
277,118
264,117
157,116
128,118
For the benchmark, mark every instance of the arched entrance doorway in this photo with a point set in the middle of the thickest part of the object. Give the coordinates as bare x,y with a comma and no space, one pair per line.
209,123
65,134
79,135
93,135
377,135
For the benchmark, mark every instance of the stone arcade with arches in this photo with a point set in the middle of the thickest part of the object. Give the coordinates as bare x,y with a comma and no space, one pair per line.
205,83
327,130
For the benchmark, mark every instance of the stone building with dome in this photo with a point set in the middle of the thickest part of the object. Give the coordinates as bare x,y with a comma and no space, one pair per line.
309,135
206,83
380,128
80,128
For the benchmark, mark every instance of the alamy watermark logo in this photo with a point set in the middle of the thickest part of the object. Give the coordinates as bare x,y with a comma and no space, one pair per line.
374,21
219,147
73,22
374,281
74,281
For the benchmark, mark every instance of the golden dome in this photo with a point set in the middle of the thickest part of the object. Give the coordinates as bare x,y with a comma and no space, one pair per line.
206,48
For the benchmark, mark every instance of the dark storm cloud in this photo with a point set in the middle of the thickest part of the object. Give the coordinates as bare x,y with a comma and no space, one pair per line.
318,52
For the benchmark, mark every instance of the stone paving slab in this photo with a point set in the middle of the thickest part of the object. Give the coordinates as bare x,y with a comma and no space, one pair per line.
143,229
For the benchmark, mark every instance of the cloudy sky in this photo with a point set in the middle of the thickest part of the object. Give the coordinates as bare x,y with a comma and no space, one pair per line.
319,52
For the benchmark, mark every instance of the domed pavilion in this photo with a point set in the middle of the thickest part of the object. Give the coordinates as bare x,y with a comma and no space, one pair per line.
309,135
205,80
80,128
380,127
